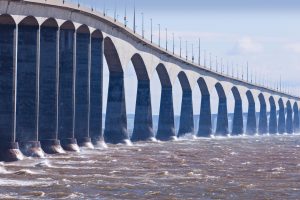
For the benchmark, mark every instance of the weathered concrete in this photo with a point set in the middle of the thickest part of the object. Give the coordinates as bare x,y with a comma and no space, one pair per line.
238,124
289,118
143,125
263,120
96,88
281,118
48,89
222,119
296,119
205,124
9,149
251,116
66,87
82,95
27,94
273,117
166,128
116,122
186,115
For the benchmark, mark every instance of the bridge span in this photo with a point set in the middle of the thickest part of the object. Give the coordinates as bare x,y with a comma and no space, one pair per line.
51,85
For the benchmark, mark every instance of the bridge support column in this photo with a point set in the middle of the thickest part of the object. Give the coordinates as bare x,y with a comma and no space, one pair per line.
251,119
27,93
237,127
166,130
186,114
66,93
289,118
143,125
273,118
281,119
296,119
48,91
222,120
116,120
9,148
82,90
205,126
263,120
96,90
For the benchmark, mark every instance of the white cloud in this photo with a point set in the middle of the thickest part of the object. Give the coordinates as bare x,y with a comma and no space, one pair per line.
246,45
293,47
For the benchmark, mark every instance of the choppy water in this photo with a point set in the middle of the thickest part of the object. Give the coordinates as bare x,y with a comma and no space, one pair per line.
260,167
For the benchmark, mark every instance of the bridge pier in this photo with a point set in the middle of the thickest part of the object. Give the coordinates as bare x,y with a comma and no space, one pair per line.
66,87
166,129
263,120
273,117
116,120
143,125
296,118
82,87
251,116
289,118
238,124
9,148
27,92
96,88
205,125
281,118
222,119
48,134
186,114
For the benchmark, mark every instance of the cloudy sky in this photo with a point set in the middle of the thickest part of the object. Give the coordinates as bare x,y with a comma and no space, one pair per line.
264,33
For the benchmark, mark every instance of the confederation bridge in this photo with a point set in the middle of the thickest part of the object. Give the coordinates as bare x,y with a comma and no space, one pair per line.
51,78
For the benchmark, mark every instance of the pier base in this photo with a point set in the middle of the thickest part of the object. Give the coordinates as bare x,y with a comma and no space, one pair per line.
85,142
32,149
52,146
70,144
10,152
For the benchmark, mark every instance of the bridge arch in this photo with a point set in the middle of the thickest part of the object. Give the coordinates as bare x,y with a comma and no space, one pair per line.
205,123
29,21
251,116
83,29
143,124
263,120
237,124
166,128
281,118
296,119
289,117
116,120
6,19
186,114
273,116
50,22
222,120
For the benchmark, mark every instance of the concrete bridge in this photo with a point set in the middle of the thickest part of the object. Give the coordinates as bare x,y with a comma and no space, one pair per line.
51,80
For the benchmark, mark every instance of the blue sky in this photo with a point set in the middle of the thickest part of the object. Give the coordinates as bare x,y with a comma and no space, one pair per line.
264,33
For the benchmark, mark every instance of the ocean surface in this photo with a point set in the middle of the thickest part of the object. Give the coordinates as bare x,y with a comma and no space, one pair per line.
257,167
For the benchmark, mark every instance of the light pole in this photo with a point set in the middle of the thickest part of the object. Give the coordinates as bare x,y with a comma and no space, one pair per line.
166,39
199,58
159,35
151,31
192,53
180,46
186,50
173,43
143,31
